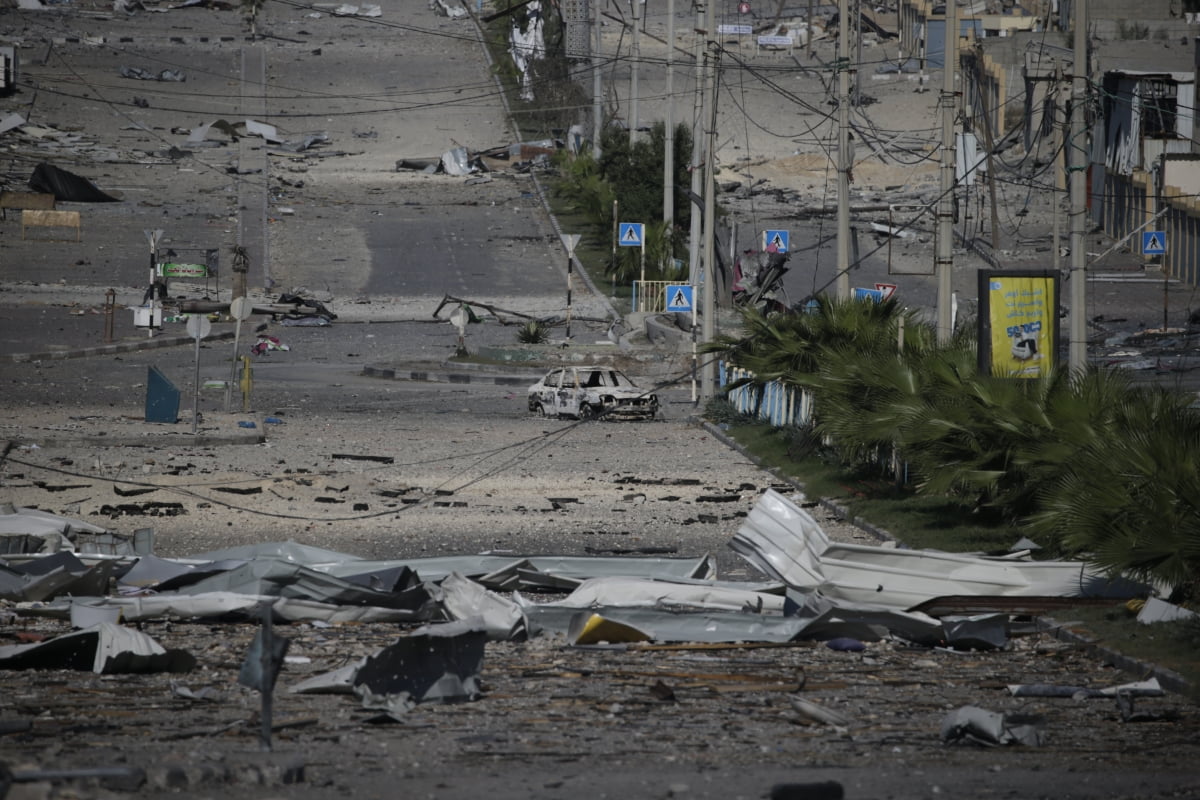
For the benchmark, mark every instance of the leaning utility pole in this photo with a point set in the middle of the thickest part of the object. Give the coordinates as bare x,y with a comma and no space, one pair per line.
1077,164
844,157
944,267
669,123
708,372
597,94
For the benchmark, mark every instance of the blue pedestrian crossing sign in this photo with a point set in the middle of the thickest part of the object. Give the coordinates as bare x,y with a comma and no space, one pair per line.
629,234
679,297
777,238
1154,243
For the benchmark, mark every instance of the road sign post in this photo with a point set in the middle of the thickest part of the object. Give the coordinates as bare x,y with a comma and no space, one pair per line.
1154,243
633,234
198,327
240,309
779,239
569,240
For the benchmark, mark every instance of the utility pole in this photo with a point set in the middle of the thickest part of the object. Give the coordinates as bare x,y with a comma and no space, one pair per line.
694,229
944,267
669,123
597,94
1077,164
708,373
844,157
635,62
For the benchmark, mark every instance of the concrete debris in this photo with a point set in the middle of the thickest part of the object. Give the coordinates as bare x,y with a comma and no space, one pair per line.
141,74
444,8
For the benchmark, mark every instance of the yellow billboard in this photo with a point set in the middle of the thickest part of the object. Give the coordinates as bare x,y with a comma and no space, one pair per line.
1018,323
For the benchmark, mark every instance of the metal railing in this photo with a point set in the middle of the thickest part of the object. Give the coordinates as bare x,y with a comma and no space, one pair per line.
650,296
780,405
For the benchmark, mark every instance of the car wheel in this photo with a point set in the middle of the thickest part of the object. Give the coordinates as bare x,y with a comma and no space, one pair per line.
587,411
539,410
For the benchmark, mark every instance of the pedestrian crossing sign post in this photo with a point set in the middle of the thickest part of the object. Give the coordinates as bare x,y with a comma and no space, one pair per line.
1154,243
633,234
777,238
680,297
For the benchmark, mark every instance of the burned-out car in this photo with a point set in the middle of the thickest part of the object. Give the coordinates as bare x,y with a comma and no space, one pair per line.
589,392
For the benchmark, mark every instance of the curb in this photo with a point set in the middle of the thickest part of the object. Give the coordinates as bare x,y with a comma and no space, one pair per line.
423,375
1170,680
109,349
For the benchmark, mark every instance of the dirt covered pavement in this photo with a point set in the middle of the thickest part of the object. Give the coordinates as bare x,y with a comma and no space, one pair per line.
472,471
390,469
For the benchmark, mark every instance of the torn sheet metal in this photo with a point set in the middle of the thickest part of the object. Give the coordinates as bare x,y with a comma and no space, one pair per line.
499,572
974,725
1156,610
18,519
457,161
54,575
270,577
104,649
1146,688
785,542
434,663
227,605
825,618
670,626
164,575
462,598
624,592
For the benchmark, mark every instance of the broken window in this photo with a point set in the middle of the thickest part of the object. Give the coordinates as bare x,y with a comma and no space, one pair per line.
1159,109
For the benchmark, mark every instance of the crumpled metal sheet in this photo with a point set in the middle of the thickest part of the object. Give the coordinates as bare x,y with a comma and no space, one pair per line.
106,649
435,663
462,598
17,519
50,576
670,626
616,592
785,542
974,725
500,572
226,605
274,578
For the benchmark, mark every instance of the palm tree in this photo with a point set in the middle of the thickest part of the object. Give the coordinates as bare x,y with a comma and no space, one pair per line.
1129,500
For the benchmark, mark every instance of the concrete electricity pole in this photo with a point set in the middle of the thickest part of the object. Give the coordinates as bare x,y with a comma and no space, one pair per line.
708,373
1077,164
694,230
669,123
944,267
635,63
597,94
844,157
